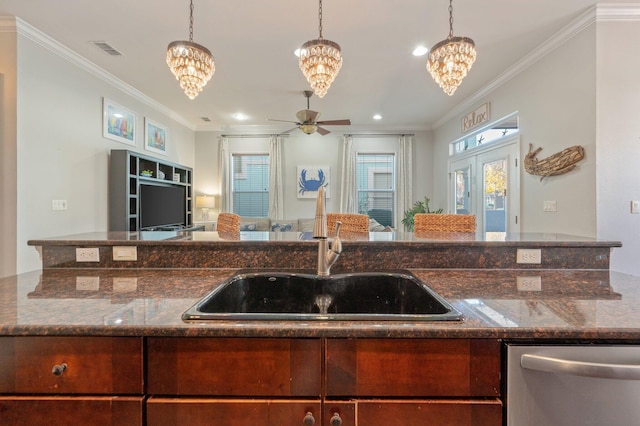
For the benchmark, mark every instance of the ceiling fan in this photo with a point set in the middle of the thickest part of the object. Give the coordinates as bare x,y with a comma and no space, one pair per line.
307,120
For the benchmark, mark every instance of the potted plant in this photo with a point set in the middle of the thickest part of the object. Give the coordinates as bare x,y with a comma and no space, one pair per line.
147,173
418,207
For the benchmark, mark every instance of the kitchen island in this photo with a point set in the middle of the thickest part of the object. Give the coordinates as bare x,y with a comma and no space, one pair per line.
124,320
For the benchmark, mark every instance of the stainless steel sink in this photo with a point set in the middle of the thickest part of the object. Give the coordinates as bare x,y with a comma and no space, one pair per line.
397,295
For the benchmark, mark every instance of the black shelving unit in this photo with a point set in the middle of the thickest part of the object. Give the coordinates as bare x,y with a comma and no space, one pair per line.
125,175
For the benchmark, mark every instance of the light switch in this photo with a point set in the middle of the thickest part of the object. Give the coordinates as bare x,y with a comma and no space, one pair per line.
125,253
635,207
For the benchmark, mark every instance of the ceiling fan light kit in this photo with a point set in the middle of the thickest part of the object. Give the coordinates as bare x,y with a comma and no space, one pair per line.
307,120
191,63
320,61
450,60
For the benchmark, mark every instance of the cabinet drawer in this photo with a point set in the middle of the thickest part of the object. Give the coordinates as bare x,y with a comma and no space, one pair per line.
413,367
436,412
94,365
234,366
29,411
176,411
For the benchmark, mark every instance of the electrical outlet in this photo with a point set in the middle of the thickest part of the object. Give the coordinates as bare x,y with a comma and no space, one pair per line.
529,256
529,283
87,283
549,206
88,254
125,253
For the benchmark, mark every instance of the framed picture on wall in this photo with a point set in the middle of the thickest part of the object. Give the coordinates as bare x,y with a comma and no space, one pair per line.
118,122
311,178
155,137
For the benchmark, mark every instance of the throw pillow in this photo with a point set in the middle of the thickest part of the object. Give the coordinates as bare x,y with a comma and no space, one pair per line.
282,227
374,226
248,226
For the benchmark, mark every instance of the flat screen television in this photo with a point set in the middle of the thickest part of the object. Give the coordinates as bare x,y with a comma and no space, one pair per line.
162,206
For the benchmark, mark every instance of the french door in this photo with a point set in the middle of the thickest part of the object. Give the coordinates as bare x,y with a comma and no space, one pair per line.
486,183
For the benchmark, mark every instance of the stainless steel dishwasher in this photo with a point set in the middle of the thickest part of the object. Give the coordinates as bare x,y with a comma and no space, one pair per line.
577,385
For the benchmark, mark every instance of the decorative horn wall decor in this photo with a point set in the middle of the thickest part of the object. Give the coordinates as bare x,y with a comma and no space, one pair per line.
556,164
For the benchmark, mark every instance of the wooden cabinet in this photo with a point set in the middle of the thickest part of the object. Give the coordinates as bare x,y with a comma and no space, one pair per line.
77,380
250,381
237,412
269,381
338,381
397,381
125,177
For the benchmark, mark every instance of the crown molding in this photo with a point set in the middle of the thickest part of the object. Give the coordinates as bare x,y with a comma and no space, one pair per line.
7,24
40,38
596,13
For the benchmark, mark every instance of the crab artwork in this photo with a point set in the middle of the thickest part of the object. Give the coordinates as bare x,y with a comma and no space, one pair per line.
310,181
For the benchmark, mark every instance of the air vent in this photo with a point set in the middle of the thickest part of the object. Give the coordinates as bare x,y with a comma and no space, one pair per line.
106,48
207,119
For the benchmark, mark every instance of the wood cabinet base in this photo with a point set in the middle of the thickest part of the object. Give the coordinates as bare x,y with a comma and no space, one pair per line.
72,411
237,412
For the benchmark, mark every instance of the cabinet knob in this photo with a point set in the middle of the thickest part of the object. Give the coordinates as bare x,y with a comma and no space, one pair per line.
308,420
59,369
336,420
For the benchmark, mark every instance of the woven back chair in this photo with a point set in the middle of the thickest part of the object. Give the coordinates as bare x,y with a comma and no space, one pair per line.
434,222
228,223
351,223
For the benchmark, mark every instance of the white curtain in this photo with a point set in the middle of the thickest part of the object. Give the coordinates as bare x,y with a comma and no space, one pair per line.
405,173
348,193
224,168
276,191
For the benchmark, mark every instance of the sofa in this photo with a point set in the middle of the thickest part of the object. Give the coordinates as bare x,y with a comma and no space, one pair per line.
265,224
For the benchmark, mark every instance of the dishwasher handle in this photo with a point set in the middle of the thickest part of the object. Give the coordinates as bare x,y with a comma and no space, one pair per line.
580,368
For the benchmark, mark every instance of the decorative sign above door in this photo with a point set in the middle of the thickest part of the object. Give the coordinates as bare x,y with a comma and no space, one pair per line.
475,118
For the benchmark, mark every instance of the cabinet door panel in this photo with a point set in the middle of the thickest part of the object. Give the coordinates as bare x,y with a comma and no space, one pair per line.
71,411
175,412
94,365
413,367
234,367
434,412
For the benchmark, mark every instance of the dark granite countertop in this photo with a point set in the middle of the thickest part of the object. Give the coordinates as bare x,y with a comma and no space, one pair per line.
155,238
566,304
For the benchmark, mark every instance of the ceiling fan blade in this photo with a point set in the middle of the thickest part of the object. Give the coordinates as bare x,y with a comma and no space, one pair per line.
285,121
306,115
322,131
334,122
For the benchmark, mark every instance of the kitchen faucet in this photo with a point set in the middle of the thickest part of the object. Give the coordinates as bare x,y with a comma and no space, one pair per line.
327,256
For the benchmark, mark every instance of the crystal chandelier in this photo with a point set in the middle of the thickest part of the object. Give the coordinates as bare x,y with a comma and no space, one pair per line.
450,60
191,63
320,61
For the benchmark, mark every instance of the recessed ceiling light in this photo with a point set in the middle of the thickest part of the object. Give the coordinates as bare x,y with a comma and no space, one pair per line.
377,117
240,116
420,51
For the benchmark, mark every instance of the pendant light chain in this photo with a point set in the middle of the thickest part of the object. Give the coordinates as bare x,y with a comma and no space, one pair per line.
320,19
450,18
191,22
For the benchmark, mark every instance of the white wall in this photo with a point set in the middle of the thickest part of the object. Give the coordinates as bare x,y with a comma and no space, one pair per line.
555,99
309,150
8,147
618,138
61,152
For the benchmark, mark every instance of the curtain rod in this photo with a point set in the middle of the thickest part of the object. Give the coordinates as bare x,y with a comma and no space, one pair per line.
377,135
264,135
